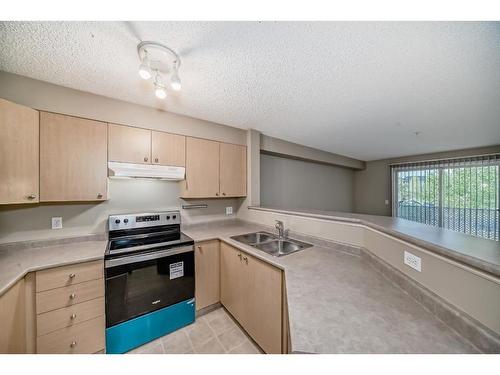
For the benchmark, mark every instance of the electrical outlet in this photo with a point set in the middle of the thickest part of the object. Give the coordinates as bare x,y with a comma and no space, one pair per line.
387,202
57,223
413,261
229,210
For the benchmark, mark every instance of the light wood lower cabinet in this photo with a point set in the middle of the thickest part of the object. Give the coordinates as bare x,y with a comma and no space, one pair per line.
83,338
12,320
70,309
19,156
73,159
206,262
251,290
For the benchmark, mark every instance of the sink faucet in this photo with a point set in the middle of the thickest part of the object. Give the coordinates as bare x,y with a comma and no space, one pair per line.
280,228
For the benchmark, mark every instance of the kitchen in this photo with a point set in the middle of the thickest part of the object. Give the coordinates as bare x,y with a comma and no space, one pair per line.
140,215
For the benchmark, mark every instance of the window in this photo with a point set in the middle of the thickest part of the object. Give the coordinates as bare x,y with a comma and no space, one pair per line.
457,194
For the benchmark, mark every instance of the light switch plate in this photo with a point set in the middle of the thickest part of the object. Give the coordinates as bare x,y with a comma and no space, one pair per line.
57,223
413,261
229,210
387,202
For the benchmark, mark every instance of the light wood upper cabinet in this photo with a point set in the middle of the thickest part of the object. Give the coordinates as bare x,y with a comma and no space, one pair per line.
73,159
19,156
206,261
128,144
168,149
202,169
233,170
214,169
251,290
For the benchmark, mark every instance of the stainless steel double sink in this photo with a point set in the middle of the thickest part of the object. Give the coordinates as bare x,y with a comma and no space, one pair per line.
271,244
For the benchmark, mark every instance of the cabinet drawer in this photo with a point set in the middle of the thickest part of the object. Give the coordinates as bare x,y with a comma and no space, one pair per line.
69,295
69,316
86,337
68,275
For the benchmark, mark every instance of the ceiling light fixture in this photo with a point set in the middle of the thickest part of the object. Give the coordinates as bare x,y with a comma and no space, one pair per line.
160,59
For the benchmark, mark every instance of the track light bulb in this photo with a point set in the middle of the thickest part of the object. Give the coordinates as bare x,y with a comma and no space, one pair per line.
144,69
175,81
160,91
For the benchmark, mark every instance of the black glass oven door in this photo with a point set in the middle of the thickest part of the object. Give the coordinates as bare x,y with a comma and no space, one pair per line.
139,284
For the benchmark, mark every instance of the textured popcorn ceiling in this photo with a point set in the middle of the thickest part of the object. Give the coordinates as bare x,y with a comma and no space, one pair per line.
353,88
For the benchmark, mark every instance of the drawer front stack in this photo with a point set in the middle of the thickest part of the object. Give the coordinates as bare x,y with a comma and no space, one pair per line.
70,309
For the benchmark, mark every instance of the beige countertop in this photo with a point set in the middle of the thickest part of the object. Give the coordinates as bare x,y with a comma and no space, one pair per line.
17,259
474,251
338,303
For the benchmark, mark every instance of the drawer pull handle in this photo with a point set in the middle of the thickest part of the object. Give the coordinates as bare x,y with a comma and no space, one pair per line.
72,296
239,256
73,316
71,275
73,344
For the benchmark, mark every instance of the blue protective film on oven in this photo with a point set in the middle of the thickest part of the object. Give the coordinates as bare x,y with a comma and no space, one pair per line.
138,331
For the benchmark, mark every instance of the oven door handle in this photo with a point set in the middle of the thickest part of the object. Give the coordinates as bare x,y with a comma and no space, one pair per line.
144,257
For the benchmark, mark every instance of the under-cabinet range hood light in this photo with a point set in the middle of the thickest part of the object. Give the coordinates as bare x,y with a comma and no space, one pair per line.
160,172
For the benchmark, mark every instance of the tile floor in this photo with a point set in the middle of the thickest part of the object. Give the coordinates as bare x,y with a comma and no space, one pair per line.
213,333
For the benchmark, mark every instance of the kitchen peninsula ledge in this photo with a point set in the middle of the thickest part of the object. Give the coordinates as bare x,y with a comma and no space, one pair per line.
18,259
473,251
338,303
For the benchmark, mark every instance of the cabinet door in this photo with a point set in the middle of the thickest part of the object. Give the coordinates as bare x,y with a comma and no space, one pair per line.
19,156
202,169
233,170
13,320
73,159
168,149
232,282
264,302
207,261
127,144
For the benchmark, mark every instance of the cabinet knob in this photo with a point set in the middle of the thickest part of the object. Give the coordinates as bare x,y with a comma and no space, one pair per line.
223,193
99,195
72,296
216,194
73,316
73,344
72,275
245,259
239,256
156,160
31,196
199,247
145,158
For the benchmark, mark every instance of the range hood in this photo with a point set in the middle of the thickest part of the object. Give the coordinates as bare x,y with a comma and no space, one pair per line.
160,172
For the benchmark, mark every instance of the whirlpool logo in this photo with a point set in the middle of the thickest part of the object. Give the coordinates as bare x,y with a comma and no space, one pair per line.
156,302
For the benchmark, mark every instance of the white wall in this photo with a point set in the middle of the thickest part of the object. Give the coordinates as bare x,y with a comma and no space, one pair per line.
289,183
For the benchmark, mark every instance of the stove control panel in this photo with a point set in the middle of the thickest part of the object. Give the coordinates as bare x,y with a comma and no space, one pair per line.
143,220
